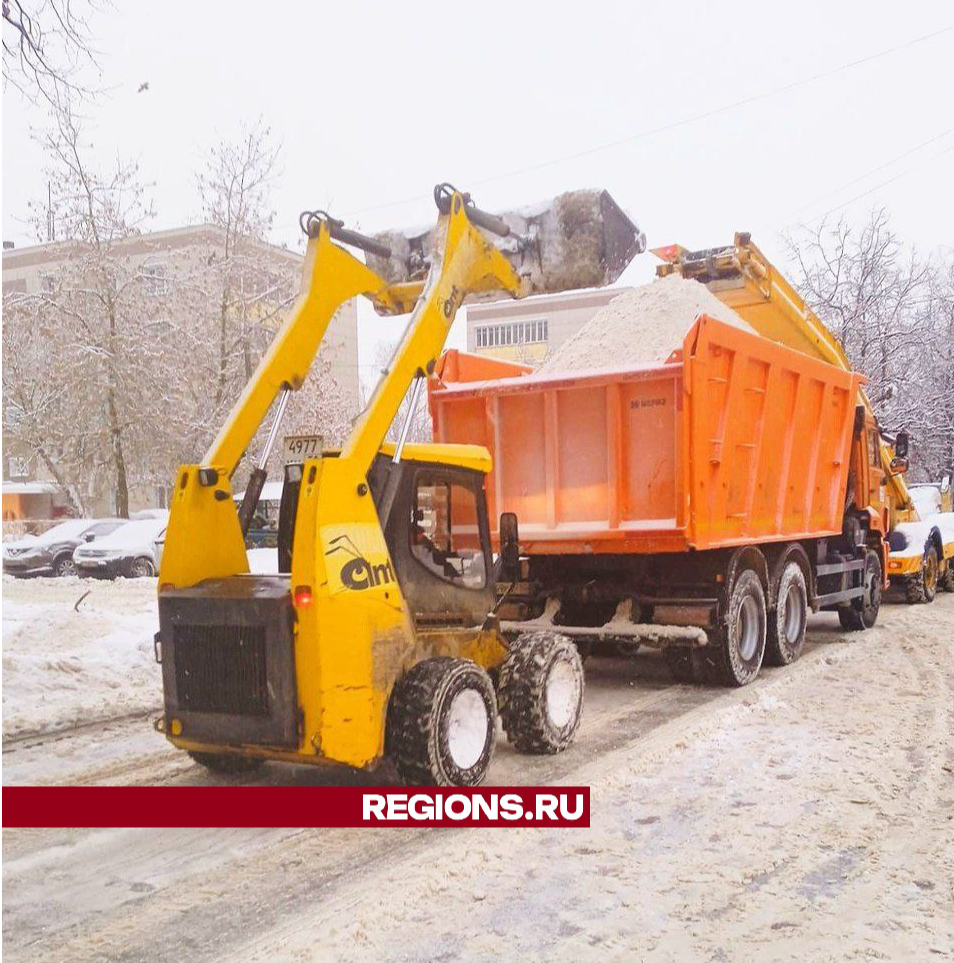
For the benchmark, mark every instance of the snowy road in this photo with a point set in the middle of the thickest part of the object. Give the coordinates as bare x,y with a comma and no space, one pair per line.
807,816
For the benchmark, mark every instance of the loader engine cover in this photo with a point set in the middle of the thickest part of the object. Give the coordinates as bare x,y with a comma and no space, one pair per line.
581,239
228,661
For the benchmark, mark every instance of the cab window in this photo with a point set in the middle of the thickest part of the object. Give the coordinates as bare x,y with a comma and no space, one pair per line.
445,530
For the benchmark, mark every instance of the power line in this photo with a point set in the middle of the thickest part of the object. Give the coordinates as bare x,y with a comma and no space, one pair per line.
877,187
859,178
674,125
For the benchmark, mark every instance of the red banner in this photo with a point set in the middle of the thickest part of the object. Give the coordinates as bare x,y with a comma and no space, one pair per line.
294,806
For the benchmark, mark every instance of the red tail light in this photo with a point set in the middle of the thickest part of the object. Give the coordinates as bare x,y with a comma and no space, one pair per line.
303,597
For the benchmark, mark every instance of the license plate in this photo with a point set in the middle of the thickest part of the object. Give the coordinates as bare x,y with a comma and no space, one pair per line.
298,448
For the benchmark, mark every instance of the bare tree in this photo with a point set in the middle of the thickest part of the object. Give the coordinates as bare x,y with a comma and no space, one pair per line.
876,297
235,192
46,46
94,322
932,419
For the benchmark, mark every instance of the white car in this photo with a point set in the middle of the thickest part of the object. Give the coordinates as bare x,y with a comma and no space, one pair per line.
133,551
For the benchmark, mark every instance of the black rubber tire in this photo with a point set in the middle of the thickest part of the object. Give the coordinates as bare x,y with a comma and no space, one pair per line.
788,621
945,582
685,663
725,661
862,613
141,568
923,586
64,566
534,716
226,763
419,719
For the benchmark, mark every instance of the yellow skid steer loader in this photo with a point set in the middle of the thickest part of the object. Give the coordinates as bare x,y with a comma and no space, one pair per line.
378,636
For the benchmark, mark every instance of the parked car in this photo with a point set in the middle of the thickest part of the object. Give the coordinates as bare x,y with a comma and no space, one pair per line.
52,552
133,551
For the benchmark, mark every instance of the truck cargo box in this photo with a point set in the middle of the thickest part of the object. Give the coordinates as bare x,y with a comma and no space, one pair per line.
735,439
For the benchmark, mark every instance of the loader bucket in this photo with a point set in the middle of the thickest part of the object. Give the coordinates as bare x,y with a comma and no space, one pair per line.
581,239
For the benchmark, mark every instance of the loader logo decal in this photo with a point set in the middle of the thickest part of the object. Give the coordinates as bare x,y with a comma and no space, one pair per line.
358,573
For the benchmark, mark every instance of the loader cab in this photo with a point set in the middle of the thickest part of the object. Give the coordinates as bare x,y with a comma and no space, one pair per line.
436,529
438,535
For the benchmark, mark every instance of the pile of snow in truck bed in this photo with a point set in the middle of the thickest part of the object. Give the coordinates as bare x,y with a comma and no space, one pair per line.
643,325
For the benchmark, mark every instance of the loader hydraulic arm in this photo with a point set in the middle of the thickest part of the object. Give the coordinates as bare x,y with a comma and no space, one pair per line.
465,262
331,277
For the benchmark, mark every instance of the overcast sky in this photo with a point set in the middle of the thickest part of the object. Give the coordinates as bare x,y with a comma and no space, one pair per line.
375,102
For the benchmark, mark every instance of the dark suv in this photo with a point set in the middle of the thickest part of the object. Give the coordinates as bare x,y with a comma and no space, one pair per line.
53,550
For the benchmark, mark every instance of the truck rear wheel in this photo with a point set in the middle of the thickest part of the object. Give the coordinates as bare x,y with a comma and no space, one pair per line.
442,723
734,656
541,692
862,613
227,763
787,624
923,586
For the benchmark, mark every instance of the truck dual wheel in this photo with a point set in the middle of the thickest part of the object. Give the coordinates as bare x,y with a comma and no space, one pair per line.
734,657
541,692
226,763
862,613
442,723
923,586
787,624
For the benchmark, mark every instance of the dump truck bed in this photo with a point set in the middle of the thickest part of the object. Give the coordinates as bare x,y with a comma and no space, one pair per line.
736,439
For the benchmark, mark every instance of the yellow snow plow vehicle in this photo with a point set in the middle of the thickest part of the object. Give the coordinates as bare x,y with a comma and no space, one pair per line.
378,637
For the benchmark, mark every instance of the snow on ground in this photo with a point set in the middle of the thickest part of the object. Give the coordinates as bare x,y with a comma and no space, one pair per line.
62,667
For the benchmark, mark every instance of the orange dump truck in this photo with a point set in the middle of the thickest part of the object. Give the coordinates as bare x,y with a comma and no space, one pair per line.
704,505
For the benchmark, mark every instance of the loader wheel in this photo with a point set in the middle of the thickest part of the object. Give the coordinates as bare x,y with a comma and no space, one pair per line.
442,722
923,586
541,693
734,656
227,763
862,613
787,624
945,582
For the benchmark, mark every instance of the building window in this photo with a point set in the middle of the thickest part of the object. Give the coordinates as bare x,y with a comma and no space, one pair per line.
511,333
157,284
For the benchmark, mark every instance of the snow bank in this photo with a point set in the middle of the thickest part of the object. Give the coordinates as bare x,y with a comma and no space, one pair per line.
642,325
263,561
62,667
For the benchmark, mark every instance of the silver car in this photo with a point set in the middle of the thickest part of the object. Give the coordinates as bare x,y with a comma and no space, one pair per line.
52,552
133,551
